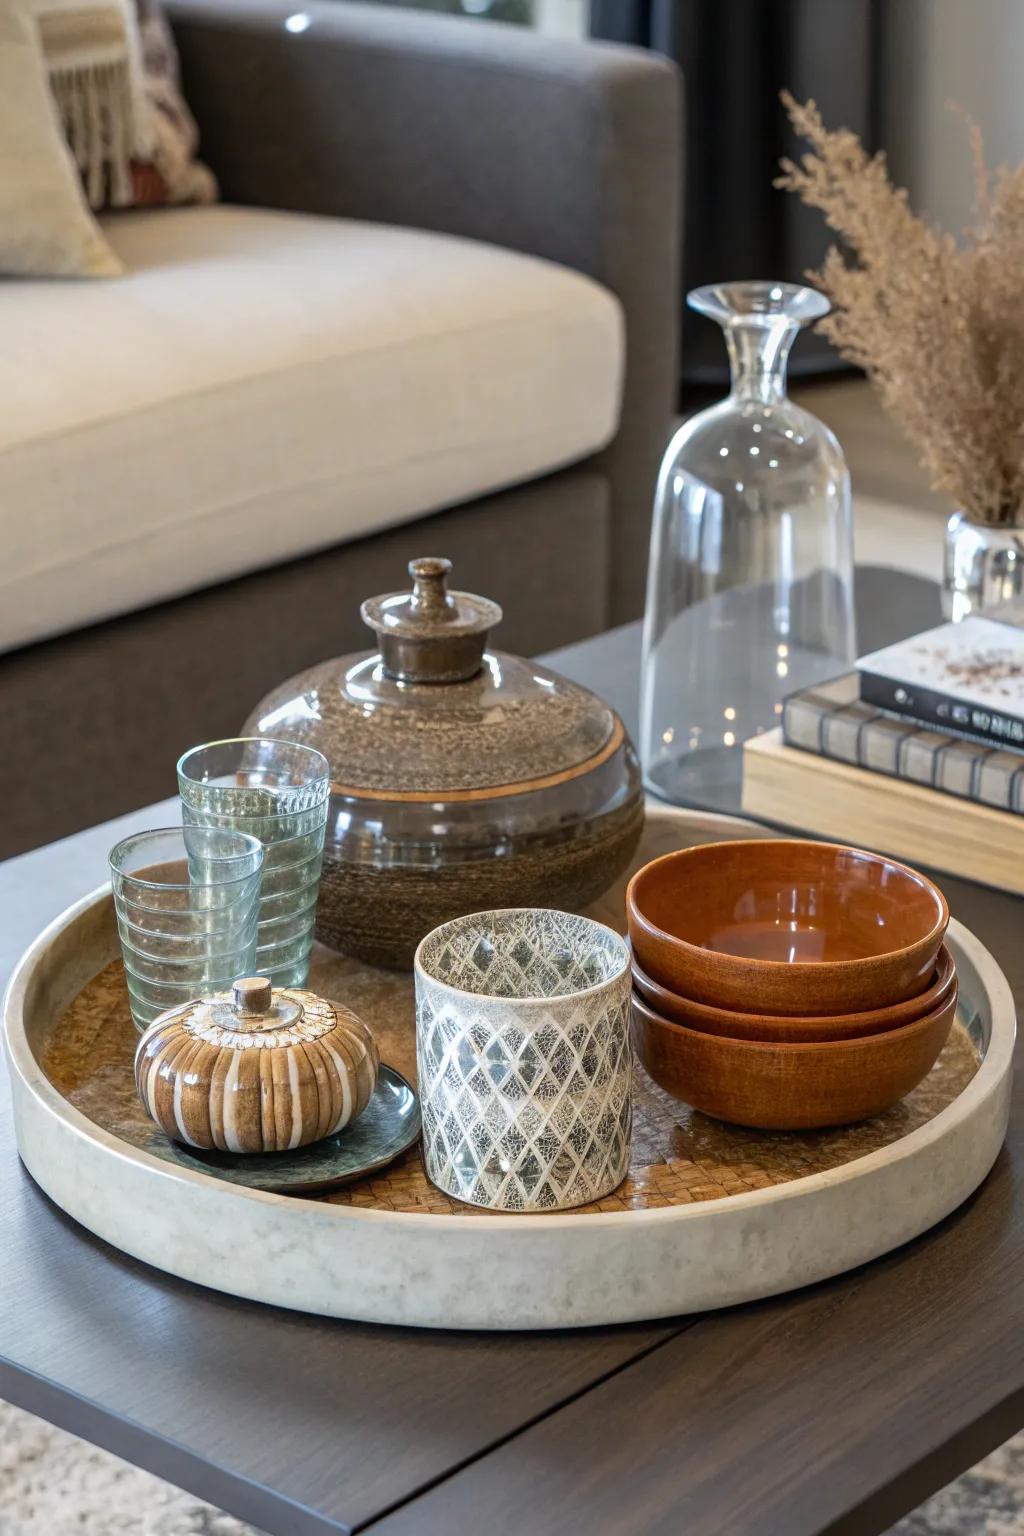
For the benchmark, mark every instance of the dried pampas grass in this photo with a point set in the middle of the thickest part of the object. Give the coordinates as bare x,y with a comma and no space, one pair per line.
937,326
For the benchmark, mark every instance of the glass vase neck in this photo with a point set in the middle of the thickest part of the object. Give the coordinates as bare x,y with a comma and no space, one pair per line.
761,321
758,355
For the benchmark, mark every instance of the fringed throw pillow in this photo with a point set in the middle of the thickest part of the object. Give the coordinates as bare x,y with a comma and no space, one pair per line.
93,58
114,73
173,174
103,76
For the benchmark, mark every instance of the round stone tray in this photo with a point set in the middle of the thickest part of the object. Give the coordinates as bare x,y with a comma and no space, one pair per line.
710,1215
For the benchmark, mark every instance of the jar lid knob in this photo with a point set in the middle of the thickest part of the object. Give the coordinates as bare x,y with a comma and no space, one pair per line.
252,995
431,635
430,595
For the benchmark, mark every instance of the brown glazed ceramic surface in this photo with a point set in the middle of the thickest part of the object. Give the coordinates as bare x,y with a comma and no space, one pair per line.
461,778
781,926
790,1087
778,1028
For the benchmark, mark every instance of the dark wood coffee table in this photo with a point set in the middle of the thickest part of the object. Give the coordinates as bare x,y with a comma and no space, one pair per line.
832,1410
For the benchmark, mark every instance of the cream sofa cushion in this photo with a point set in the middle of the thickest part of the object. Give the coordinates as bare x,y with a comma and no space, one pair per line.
260,385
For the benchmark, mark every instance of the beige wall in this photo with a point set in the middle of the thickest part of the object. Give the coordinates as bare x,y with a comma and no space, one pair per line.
968,51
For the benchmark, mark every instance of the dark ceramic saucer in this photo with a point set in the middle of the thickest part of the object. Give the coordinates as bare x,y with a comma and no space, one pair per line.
389,1125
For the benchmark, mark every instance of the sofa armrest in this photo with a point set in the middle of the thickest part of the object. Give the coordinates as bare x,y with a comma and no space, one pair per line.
566,150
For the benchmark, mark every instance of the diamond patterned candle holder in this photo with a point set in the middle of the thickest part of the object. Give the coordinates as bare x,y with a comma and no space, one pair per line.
522,1036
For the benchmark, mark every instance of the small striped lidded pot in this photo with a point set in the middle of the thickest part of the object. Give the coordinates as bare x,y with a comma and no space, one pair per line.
256,1070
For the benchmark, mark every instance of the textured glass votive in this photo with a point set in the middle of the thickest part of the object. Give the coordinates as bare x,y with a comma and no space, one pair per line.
276,791
187,904
524,1059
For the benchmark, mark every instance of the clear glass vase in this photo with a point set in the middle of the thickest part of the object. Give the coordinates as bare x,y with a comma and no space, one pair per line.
983,566
750,585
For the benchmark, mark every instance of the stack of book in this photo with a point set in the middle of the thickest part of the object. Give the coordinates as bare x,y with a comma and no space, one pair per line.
920,752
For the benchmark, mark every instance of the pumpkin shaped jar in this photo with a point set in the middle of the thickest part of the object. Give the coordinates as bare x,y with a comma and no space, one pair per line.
256,1070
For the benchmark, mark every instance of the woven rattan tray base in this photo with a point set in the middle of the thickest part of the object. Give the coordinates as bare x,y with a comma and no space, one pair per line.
709,1215
678,1155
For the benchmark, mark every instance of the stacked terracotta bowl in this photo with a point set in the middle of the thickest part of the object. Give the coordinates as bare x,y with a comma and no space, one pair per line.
788,985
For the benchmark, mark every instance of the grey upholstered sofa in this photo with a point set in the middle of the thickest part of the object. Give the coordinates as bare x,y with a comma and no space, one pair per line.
129,628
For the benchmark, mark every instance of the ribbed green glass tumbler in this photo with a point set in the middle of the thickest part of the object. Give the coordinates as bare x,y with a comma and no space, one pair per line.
187,903
276,791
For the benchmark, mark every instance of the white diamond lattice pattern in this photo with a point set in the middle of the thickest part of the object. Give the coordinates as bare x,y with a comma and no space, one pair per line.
526,1105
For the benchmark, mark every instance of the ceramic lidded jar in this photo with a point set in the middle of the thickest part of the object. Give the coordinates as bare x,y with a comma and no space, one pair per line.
256,1070
462,778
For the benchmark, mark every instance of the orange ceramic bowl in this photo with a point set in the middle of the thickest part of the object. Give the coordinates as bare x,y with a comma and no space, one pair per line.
780,926
791,1087
778,1029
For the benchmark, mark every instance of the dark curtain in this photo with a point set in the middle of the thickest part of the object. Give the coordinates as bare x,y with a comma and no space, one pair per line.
736,55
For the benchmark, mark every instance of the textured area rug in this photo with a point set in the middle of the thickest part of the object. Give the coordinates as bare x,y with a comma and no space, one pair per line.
54,1485
987,1501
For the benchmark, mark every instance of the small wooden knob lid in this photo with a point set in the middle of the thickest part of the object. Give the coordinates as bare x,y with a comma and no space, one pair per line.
252,994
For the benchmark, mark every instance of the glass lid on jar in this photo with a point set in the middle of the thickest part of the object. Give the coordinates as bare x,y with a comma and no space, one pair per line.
434,711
